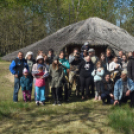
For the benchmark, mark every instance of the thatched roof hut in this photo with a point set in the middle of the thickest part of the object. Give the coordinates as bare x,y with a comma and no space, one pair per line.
99,33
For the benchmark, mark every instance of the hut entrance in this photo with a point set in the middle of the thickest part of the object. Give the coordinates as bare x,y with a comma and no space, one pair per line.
98,49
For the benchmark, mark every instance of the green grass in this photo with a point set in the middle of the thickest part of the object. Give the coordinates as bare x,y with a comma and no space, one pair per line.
76,117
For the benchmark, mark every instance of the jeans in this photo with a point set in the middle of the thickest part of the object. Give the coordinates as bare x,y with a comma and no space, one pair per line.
40,93
56,93
16,89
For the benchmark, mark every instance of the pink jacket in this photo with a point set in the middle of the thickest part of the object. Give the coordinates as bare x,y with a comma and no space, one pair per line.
39,81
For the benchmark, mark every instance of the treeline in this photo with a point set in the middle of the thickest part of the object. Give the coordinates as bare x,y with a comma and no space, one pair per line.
23,22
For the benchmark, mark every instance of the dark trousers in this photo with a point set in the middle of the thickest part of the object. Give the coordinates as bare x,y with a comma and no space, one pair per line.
85,83
92,86
16,89
126,98
56,93
105,96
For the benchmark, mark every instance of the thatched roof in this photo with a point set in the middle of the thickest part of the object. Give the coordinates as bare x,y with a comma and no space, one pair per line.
93,30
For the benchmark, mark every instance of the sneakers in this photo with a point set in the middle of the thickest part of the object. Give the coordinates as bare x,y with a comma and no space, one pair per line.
59,103
54,103
37,103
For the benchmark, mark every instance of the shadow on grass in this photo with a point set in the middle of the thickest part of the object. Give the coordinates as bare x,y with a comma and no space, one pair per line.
121,119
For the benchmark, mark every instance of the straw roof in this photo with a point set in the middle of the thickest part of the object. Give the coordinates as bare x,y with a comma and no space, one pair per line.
96,31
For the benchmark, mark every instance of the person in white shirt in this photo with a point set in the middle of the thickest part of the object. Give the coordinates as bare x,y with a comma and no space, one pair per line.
114,69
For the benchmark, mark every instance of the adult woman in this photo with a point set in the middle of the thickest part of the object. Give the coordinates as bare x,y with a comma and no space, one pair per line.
86,67
103,61
56,74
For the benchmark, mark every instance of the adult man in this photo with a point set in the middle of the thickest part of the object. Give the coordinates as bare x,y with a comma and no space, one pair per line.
65,64
50,56
84,48
74,60
16,68
94,58
130,66
124,90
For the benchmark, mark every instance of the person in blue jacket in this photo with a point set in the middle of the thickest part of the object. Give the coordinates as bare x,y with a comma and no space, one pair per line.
16,68
66,66
124,90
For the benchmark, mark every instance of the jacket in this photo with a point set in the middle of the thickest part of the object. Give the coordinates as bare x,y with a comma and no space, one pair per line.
56,76
26,83
65,65
130,68
112,66
39,81
98,75
17,66
107,87
118,88
85,68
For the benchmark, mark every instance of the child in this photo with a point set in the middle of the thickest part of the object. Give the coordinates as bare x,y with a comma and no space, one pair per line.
26,84
40,85
98,74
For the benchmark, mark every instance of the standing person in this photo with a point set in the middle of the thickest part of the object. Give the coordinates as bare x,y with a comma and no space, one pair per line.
103,61
40,85
16,68
26,85
107,90
50,55
30,62
56,77
98,75
65,64
130,66
85,68
114,69
124,90
74,60
84,48
47,86
120,57
39,60
94,60
124,62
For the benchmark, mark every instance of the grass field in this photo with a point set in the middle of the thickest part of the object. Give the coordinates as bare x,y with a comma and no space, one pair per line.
76,117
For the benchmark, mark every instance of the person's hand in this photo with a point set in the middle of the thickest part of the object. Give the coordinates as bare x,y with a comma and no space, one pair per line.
116,102
99,70
16,75
128,93
111,95
60,63
117,66
41,77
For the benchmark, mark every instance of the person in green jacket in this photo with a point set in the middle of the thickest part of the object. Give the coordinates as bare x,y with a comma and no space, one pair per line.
66,66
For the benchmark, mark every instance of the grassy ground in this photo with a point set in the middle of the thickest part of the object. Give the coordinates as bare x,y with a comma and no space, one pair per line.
86,117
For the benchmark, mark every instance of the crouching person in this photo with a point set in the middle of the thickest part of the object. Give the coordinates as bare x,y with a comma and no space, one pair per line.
107,90
124,90
26,85
56,76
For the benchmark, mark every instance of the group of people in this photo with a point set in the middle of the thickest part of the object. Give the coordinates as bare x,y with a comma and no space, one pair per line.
109,78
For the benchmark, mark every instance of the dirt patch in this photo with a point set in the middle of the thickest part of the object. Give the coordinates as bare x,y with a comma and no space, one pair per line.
10,77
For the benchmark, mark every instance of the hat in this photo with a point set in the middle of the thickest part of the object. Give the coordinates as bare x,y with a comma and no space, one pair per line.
25,70
28,53
40,66
55,58
39,57
124,72
91,50
86,43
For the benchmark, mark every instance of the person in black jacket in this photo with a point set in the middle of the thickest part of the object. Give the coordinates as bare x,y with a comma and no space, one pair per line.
130,66
85,68
16,68
107,90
